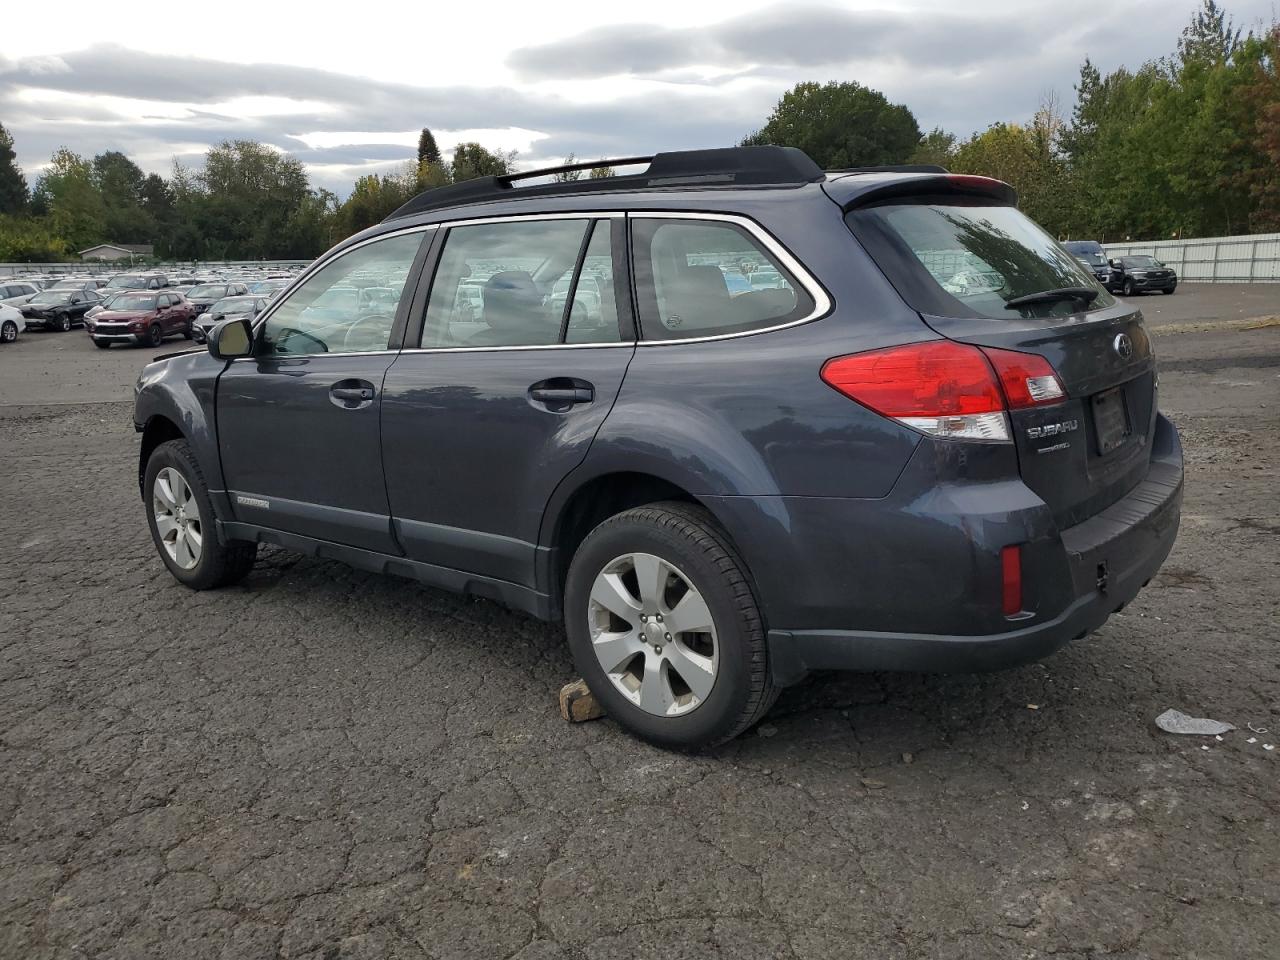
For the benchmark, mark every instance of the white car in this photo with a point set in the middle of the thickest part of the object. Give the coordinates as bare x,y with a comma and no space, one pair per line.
11,321
17,292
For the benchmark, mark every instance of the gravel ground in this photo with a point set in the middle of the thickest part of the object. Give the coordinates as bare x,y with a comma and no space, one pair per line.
327,764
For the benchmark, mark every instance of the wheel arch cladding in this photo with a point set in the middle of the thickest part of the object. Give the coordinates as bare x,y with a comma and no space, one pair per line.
157,430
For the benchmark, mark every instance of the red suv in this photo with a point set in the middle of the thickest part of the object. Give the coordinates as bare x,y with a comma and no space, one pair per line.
142,317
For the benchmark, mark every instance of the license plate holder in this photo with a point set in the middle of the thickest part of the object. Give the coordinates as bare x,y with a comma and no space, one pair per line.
1110,420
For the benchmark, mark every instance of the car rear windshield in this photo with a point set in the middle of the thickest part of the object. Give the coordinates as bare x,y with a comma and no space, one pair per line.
967,259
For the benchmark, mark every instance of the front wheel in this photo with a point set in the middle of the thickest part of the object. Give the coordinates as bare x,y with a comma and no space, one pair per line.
184,525
62,323
154,335
8,332
1128,288
1169,291
102,344
664,627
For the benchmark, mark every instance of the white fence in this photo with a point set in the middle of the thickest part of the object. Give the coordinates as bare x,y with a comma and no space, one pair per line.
1254,259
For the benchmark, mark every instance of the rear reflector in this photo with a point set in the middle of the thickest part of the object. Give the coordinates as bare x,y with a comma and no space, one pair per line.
1011,576
1028,380
942,388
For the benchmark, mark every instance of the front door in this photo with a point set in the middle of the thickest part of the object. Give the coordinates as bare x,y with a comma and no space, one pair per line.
522,352
298,421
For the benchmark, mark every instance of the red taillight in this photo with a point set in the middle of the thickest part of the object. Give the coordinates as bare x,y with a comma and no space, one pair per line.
1011,580
942,388
1028,380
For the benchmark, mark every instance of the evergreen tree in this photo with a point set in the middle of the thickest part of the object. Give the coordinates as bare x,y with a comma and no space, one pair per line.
428,152
13,185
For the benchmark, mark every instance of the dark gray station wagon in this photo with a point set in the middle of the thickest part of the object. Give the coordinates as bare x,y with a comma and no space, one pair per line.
732,419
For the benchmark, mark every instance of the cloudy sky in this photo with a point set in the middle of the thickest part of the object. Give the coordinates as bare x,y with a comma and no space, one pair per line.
347,91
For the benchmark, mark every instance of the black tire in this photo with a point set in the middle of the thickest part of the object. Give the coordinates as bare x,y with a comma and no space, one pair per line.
222,562
688,537
8,332
102,344
155,336
186,331
61,323
1169,291
1128,288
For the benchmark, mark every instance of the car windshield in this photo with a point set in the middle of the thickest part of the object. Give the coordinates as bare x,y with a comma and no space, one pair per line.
126,281
50,296
208,291
132,302
1142,261
981,257
233,305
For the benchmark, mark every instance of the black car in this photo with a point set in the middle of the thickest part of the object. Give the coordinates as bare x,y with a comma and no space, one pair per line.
1093,256
929,442
205,295
59,309
1141,274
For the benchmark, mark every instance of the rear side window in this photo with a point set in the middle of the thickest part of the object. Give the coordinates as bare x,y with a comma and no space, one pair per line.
701,278
967,260
523,283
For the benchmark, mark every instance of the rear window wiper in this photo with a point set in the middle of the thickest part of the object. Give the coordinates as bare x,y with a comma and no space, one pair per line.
1085,295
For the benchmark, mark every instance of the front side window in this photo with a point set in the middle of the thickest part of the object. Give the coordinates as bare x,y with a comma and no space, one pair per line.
325,315
506,285
699,278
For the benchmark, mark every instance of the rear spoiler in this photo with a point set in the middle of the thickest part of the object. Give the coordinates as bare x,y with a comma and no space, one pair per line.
858,191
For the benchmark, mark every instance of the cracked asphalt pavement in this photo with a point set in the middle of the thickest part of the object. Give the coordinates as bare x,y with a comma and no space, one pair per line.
327,764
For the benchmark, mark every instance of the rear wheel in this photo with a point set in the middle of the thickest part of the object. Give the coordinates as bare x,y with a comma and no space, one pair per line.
184,525
664,627
8,332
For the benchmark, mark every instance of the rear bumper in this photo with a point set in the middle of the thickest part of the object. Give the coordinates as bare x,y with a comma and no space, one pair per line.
920,592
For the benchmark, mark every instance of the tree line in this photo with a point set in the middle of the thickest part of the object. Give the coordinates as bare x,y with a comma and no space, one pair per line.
1186,145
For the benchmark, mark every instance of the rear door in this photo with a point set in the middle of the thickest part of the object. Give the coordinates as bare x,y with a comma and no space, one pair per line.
959,260
298,423
502,392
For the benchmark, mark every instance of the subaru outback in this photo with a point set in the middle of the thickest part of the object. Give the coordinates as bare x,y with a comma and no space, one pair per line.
930,442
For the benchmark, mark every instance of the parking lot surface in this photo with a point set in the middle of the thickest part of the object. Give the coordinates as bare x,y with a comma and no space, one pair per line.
322,763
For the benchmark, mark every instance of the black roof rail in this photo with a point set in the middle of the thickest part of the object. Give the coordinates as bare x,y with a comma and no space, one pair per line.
728,166
896,168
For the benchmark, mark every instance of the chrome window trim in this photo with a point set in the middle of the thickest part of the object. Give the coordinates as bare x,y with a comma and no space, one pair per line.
821,301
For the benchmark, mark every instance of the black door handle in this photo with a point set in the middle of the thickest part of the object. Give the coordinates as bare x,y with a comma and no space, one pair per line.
351,394
562,394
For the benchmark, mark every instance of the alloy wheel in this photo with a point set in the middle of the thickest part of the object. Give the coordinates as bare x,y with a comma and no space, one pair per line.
653,634
177,516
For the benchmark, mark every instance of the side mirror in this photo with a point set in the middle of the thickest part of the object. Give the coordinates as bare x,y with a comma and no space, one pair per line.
231,339
1115,263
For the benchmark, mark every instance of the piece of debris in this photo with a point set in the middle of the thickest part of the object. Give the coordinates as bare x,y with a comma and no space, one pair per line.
1033,706
1268,746
768,730
872,784
1175,721
908,758
578,704
1252,740
1253,729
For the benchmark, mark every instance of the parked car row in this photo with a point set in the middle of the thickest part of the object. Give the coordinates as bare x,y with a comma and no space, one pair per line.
1128,275
133,308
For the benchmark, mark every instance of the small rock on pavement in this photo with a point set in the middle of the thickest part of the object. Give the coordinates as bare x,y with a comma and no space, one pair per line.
578,704
766,731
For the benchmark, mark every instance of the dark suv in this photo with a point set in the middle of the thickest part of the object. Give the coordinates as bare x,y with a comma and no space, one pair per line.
926,440
1141,274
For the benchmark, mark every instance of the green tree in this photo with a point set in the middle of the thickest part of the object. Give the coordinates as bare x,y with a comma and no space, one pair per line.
68,197
841,125
13,185
1262,98
29,240
120,181
568,175
936,147
470,160
428,152
374,197
600,173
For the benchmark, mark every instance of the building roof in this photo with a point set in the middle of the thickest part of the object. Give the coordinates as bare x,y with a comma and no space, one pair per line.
146,249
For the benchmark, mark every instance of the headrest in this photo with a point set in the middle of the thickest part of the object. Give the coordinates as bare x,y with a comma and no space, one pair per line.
509,298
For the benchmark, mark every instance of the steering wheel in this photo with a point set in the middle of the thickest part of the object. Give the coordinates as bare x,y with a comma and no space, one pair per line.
383,318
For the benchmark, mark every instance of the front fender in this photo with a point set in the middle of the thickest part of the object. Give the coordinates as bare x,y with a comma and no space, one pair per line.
182,388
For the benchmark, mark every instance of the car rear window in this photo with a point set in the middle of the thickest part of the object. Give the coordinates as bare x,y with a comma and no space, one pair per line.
954,258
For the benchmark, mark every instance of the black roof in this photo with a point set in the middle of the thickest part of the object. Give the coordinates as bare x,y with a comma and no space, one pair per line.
763,166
